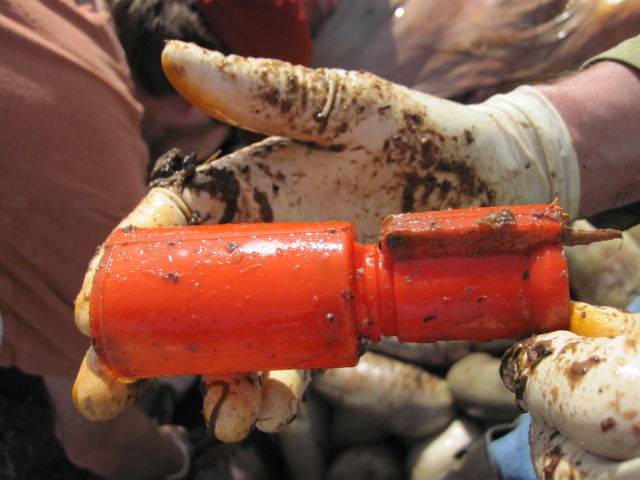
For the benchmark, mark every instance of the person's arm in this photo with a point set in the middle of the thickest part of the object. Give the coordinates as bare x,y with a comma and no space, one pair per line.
601,108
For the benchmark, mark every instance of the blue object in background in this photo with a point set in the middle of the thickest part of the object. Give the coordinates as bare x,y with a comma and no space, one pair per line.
512,454
635,305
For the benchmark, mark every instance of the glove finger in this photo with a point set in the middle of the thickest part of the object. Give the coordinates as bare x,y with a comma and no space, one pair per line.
602,321
231,404
282,391
327,106
555,456
587,388
100,397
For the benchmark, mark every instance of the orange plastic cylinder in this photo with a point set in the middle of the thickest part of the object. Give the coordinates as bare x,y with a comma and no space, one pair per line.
495,295
219,299
235,298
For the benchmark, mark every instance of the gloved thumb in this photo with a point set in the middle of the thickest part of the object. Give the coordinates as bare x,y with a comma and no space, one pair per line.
327,106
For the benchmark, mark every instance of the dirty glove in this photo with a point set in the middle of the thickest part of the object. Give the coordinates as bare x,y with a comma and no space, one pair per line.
582,390
377,142
365,149
233,403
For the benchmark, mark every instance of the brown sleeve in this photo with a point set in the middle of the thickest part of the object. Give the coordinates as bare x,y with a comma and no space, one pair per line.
72,164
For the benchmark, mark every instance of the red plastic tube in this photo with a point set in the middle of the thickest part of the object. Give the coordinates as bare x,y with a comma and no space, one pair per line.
252,297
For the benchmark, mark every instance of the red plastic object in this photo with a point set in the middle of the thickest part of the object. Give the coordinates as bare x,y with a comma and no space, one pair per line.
252,297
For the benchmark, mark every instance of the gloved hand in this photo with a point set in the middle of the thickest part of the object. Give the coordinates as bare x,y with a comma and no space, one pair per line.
377,142
582,390
364,148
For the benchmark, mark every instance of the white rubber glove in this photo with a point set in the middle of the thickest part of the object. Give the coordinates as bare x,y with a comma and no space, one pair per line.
583,394
377,142
371,148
